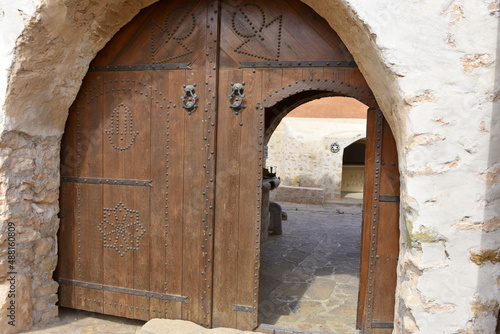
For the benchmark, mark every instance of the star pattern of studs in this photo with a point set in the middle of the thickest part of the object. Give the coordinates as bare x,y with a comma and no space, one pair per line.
121,229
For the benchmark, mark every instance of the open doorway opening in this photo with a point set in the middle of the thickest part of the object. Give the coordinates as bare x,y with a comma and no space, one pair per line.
309,275
353,170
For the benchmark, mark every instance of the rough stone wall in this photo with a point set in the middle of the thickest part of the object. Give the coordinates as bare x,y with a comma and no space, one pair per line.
46,48
28,227
433,67
300,150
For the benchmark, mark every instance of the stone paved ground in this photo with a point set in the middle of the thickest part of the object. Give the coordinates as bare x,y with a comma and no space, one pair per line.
310,274
309,277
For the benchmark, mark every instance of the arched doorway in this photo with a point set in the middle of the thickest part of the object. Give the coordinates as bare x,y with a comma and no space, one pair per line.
162,155
380,231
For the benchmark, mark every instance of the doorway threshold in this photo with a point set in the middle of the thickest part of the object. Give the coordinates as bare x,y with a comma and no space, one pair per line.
273,329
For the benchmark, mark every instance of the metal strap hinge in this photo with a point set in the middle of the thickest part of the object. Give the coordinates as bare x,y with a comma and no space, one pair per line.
382,324
389,198
289,64
242,308
129,291
97,180
140,67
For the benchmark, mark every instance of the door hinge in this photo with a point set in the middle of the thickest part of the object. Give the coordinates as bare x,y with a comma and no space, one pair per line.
389,198
242,308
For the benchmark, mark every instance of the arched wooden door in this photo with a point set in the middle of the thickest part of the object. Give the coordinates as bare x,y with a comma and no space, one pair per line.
163,153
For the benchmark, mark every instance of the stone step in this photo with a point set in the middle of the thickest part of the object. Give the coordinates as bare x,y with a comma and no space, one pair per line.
165,326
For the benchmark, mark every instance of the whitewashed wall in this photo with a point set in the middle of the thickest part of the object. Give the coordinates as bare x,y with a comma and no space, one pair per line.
300,150
433,68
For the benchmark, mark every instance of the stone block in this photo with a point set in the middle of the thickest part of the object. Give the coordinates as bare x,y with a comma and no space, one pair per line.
17,292
164,326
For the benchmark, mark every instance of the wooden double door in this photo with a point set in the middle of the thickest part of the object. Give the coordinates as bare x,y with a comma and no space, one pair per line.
162,156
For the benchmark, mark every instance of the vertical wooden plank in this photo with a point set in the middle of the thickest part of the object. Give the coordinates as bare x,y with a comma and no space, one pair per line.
67,244
355,78
174,191
227,205
141,256
250,201
211,67
160,130
371,131
195,151
271,81
290,76
88,246
90,250
385,273
336,73
380,236
312,73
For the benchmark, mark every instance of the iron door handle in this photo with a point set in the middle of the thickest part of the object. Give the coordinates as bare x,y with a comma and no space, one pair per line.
236,96
189,98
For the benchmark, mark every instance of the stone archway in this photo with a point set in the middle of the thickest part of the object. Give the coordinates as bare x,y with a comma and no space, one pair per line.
53,53
432,70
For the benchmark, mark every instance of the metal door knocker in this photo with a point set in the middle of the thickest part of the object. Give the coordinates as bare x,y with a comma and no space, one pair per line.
236,97
189,98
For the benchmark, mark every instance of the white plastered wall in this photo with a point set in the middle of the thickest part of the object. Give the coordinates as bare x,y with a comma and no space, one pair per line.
300,150
433,69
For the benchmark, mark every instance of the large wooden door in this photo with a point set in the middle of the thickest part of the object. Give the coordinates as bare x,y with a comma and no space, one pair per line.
138,169
163,153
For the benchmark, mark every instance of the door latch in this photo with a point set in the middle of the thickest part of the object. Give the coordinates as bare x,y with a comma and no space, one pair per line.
189,99
236,97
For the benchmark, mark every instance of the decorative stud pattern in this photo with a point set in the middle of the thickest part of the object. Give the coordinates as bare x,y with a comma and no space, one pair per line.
121,229
84,104
250,30
121,135
170,31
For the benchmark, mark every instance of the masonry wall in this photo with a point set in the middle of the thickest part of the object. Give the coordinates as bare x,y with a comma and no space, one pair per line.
300,151
433,67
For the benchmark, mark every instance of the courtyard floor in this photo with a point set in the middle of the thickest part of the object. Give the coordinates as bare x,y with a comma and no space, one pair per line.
310,274
309,277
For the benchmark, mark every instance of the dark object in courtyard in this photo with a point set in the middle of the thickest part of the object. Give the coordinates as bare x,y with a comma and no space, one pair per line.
276,217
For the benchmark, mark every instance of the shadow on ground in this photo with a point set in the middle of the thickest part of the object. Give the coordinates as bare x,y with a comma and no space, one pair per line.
310,275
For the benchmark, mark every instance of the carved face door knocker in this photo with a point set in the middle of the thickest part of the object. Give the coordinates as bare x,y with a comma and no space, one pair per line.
189,99
236,97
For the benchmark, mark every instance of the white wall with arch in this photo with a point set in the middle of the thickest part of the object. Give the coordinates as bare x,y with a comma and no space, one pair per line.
433,69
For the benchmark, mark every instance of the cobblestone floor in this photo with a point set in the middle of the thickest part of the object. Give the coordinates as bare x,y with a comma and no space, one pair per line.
309,277
310,274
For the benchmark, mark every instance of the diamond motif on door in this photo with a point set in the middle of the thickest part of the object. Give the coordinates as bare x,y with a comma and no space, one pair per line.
121,134
121,229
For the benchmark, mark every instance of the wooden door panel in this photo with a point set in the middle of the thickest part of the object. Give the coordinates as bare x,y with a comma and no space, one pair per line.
380,238
237,245
125,227
181,188
251,165
166,32
145,164
125,105
227,204
280,30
